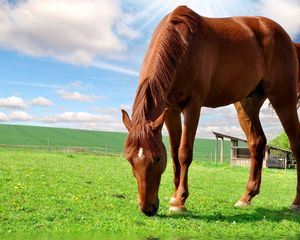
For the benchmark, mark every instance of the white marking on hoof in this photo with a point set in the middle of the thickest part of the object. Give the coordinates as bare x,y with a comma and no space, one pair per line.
295,207
172,199
141,153
241,204
177,210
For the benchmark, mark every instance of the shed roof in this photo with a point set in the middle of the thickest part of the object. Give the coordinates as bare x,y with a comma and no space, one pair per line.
221,135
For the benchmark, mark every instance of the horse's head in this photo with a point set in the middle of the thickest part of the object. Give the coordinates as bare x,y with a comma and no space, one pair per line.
147,155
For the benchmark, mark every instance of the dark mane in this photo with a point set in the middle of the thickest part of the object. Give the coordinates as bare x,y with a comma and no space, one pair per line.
166,51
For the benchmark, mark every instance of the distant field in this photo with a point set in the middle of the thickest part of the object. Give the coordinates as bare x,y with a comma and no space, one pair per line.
50,195
114,141
30,135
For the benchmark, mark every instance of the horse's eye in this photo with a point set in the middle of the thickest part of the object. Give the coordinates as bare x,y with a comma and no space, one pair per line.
158,159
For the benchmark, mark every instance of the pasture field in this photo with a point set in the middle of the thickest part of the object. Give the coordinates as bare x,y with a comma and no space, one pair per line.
32,135
114,141
47,195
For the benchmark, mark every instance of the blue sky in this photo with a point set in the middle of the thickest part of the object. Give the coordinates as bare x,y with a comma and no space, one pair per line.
75,64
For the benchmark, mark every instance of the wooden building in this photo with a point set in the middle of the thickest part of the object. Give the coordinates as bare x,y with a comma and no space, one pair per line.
240,155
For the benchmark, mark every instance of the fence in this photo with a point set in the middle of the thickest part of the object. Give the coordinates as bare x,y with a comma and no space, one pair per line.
209,157
102,150
66,149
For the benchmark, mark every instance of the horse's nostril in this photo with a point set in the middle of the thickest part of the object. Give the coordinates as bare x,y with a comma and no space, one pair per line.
154,208
150,211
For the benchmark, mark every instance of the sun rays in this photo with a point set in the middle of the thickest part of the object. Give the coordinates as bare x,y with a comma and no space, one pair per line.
154,10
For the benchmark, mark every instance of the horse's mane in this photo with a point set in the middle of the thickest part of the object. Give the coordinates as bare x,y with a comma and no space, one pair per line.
167,49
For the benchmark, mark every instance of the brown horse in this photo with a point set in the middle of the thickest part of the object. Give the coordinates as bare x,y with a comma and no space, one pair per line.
297,46
194,61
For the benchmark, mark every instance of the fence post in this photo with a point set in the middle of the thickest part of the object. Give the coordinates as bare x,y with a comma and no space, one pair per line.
216,150
222,150
48,146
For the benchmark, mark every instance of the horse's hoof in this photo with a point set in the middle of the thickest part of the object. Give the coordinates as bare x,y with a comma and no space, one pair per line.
241,204
172,200
177,210
295,207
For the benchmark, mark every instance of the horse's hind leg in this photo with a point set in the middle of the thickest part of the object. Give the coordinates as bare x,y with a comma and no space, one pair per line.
248,114
287,112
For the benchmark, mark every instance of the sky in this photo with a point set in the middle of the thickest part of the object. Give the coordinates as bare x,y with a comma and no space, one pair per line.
75,64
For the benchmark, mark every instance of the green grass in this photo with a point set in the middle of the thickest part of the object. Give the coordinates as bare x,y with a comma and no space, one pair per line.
44,195
32,135
114,141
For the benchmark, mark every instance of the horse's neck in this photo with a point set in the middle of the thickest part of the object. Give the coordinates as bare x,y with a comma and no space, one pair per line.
147,109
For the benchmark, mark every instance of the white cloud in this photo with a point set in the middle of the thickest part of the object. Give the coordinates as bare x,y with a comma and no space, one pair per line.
84,120
41,101
114,68
76,117
76,96
105,110
76,84
31,84
12,102
103,126
3,117
75,32
285,12
20,116
126,107
225,120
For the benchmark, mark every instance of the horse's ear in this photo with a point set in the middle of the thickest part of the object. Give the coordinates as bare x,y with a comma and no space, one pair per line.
126,120
158,123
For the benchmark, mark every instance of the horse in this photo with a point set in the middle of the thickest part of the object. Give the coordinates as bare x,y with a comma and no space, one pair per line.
297,47
192,62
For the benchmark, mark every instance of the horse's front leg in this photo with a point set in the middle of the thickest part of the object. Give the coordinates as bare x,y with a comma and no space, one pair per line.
173,123
185,154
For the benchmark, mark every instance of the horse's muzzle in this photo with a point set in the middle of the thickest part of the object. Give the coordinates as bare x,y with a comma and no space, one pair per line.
150,210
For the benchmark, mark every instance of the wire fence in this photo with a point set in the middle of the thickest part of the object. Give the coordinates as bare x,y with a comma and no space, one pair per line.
103,151
210,157
65,149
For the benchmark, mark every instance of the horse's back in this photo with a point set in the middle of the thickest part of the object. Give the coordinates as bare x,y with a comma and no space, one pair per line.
217,61
244,51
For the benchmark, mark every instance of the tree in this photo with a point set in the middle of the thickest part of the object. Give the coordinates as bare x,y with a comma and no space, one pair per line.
281,141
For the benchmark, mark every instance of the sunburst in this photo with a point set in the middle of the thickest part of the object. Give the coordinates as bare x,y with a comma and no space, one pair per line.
209,8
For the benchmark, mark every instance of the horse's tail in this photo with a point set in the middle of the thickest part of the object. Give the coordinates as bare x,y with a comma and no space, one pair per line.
168,46
297,47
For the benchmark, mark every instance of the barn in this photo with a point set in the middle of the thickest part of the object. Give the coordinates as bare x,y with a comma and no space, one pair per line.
240,155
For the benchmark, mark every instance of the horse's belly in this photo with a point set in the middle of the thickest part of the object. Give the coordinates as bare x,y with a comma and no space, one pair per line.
224,92
234,79
221,100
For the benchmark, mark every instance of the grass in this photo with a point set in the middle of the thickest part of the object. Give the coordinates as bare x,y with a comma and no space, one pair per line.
45,195
32,135
114,141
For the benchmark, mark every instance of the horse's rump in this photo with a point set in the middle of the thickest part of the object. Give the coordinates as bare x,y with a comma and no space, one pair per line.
297,47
